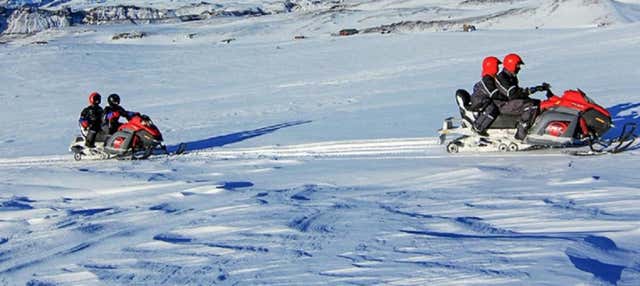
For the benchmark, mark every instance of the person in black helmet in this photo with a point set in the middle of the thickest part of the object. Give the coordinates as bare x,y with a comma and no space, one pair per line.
113,112
91,119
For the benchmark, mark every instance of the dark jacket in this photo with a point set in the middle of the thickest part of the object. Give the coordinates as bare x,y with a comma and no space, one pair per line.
92,115
483,91
508,88
112,116
115,112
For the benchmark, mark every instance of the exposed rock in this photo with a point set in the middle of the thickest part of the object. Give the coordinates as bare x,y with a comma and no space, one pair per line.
30,19
439,25
481,2
468,28
348,32
310,5
236,13
407,26
132,35
33,20
229,40
189,18
197,9
124,14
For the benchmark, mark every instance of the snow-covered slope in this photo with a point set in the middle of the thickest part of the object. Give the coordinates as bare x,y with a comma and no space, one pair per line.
312,161
368,15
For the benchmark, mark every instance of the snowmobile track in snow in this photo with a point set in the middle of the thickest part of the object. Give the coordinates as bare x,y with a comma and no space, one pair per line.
391,148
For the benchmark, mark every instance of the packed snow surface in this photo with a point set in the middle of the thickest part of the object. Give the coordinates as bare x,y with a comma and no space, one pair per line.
312,161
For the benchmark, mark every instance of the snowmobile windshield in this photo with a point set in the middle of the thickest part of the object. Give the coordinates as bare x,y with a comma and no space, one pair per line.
588,99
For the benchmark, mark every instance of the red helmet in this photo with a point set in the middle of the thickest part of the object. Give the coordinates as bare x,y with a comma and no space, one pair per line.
512,62
490,66
94,98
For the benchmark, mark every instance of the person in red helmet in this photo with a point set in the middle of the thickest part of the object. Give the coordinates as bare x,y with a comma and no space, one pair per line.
514,100
483,93
91,119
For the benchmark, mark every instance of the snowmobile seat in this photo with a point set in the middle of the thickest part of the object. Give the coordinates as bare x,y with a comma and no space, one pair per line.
102,136
463,99
505,122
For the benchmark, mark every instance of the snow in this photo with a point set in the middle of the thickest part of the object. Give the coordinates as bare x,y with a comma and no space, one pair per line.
360,14
313,161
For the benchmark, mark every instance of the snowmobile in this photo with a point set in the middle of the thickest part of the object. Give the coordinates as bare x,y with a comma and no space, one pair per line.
137,139
570,120
79,149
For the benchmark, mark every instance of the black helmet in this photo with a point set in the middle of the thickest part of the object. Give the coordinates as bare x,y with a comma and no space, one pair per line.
113,99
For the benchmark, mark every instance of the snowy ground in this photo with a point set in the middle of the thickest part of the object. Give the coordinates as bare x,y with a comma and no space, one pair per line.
312,161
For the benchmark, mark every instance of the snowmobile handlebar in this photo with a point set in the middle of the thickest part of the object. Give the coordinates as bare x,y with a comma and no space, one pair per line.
549,93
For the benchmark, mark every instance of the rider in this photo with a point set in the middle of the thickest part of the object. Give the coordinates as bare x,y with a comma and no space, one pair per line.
113,112
514,100
483,92
91,119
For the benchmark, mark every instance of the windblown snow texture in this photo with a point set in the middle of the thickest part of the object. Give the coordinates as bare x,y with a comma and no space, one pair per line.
313,161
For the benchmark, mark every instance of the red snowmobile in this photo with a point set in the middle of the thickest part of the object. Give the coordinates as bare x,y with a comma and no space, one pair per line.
570,120
139,138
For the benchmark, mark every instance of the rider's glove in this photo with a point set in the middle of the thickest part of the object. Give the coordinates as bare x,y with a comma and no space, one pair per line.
545,86
113,115
132,114
84,124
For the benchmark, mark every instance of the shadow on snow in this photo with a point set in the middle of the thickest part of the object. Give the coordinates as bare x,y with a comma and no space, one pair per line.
222,140
619,120
587,256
